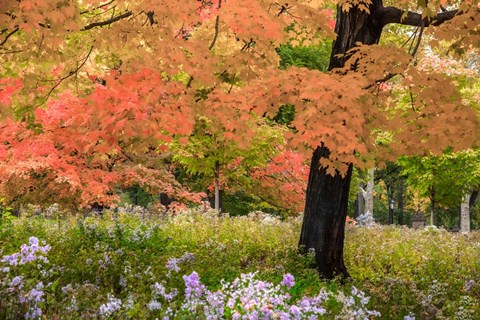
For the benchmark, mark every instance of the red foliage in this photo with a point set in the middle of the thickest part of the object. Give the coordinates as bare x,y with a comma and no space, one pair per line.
284,180
86,145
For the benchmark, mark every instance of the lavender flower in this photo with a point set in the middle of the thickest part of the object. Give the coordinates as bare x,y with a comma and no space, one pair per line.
112,306
28,253
154,305
172,265
288,281
35,297
469,284
16,281
187,257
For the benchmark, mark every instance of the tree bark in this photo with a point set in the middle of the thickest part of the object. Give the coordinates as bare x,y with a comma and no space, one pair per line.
323,227
324,219
369,193
390,204
400,202
217,186
465,213
360,202
432,209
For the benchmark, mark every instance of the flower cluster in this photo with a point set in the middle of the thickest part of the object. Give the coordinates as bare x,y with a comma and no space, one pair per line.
365,220
249,298
34,298
113,305
173,263
30,297
28,253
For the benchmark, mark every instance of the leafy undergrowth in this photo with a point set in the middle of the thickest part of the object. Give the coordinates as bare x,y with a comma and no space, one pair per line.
130,265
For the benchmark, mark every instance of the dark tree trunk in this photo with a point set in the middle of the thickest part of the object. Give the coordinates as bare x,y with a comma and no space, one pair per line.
390,204
400,202
324,219
354,27
473,198
165,199
326,204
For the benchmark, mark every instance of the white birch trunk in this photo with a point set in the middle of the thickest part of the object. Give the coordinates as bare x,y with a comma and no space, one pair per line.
369,191
465,213
360,200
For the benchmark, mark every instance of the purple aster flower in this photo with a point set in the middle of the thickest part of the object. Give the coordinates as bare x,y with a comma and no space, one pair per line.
16,281
288,281
172,265
187,257
154,305
33,241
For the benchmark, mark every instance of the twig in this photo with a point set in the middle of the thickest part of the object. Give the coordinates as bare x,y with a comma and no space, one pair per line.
422,27
71,73
9,35
215,36
217,22
98,7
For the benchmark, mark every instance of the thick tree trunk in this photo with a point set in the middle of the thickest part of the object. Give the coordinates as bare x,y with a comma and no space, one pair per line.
324,219
352,27
326,204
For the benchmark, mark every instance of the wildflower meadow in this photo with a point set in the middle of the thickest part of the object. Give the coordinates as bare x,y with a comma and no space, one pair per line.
129,264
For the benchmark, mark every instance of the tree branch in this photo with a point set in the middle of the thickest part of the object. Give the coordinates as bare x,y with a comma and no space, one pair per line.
71,73
9,35
217,20
395,15
124,15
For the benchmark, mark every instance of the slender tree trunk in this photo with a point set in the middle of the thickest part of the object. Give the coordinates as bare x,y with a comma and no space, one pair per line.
465,213
390,203
401,191
326,204
360,201
369,193
217,186
432,211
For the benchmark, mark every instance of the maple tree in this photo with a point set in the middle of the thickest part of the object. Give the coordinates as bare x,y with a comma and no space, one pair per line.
73,162
157,65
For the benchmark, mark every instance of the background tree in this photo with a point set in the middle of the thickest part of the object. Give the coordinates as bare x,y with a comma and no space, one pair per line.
444,179
215,157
